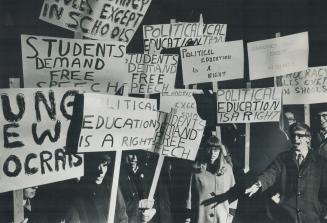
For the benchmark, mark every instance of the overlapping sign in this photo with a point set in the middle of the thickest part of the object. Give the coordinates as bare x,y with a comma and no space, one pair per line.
163,36
249,105
111,123
152,73
97,19
212,63
278,56
92,66
305,87
34,123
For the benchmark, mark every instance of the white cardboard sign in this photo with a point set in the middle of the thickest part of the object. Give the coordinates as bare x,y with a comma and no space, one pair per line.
278,56
212,63
249,105
305,87
34,123
97,19
90,65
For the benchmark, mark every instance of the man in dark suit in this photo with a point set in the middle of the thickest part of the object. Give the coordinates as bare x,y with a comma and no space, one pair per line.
300,177
320,136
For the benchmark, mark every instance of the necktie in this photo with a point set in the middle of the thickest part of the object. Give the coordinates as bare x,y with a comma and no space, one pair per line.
28,205
299,159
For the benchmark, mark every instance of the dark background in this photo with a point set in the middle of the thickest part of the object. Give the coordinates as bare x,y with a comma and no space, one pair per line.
250,20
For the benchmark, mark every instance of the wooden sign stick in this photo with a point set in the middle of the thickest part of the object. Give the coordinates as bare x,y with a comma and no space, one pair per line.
114,187
160,160
247,142
17,194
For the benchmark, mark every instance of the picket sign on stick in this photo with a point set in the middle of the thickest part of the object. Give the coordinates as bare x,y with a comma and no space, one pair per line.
247,142
306,106
161,157
17,194
160,160
115,178
157,171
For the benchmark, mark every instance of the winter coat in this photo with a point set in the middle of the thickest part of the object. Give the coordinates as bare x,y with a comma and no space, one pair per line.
209,198
303,191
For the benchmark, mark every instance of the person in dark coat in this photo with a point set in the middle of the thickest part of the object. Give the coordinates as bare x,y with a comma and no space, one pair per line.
135,182
34,210
320,133
91,201
300,178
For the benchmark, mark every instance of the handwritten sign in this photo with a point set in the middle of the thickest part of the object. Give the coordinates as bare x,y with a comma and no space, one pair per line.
161,36
305,87
212,63
278,56
249,105
179,135
92,66
34,124
179,99
97,19
112,123
152,73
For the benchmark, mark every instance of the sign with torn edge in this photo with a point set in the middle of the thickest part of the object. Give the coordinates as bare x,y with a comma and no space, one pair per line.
97,19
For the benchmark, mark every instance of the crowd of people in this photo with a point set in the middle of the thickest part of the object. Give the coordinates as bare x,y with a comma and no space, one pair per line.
203,191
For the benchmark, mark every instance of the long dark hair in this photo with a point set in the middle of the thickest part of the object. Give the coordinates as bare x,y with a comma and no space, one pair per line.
219,166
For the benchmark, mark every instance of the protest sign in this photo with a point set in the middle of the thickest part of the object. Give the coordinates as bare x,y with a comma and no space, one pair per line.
305,87
249,105
34,123
152,73
96,19
179,136
92,66
212,63
161,36
278,56
180,99
111,123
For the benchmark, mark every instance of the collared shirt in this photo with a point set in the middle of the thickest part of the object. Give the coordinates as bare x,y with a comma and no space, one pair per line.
303,153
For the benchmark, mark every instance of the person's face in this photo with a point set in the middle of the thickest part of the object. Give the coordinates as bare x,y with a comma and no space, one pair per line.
300,139
322,117
213,153
290,118
131,160
30,192
101,172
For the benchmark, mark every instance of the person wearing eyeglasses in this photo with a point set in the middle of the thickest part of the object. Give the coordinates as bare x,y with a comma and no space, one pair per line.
301,180
210,199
